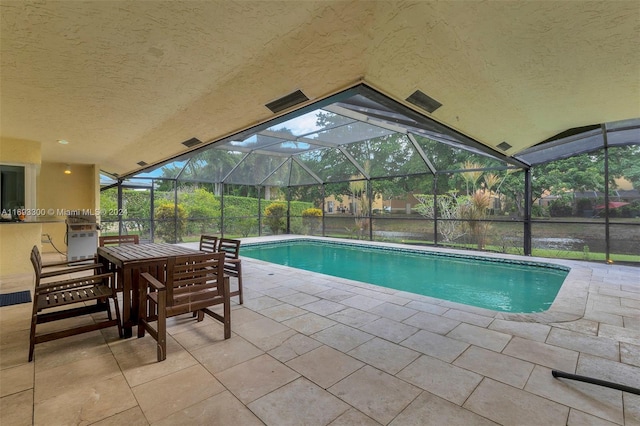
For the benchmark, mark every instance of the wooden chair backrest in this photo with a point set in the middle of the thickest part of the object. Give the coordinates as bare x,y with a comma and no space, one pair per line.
230,248
112,240
209,243
194,278
36,261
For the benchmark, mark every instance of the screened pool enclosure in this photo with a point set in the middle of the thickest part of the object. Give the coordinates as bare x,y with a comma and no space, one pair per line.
360,165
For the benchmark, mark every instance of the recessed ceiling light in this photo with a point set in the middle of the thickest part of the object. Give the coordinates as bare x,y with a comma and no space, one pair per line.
504,146
62,142
287,101
191,142
424,101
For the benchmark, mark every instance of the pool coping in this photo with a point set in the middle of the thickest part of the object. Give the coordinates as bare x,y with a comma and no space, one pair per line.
570,304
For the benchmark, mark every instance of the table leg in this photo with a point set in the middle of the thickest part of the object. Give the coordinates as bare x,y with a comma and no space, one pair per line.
125,277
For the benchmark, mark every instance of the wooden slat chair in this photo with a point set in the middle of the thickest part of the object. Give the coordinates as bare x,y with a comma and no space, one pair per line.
52,296
232,262
117,240
193,284
209,243
113,240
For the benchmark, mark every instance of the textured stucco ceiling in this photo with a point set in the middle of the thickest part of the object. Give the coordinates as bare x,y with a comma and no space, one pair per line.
128,81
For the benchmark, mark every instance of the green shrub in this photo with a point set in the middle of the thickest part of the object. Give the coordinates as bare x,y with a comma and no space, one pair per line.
166,228
275,214
312,220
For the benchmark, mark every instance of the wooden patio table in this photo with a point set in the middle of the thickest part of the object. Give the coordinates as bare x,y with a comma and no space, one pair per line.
129,261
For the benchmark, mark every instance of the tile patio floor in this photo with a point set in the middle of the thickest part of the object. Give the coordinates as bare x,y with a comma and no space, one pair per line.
309,349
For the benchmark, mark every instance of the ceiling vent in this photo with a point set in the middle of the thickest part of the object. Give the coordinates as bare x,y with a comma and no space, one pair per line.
287,101
504,146
423,101
191,142
142,163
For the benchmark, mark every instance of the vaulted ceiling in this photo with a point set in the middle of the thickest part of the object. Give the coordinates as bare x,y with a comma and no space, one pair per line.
128,81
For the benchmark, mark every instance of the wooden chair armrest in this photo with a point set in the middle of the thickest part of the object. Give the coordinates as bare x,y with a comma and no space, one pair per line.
232,260
74,282
72,263
71,270
153,282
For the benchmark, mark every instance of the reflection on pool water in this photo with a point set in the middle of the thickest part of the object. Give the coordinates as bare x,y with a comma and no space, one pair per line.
501,285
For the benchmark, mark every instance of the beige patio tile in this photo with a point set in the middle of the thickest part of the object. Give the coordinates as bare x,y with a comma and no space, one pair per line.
335,294
611,371
324,307
86,403
70,349
596,400
354,317
384,355
393,331
267,343
283,312
299,299
16,379
164,396
431,322
631,409
604,318
131,417
578,418
584,326
259,303
242,315
393,311
468,317
528,330
300,402
17,409
258,329
196,337
313,288
64,378
257,377
274,291
620,334
630,354
599,346
480,336
362,390
441,378
543,354
342,337
353,417
631,323
226,354
428,409
324,366
362,302
295,345
220,409
435,345
186,322
502,368
309,323
140,365
432,308
505,404
15,353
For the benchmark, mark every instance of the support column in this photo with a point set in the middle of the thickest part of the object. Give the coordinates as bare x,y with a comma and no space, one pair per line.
527,212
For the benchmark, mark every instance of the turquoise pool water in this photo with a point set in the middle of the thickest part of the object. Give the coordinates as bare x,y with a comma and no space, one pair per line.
506,286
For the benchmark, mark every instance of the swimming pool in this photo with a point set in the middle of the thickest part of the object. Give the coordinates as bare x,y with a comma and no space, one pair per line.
501,285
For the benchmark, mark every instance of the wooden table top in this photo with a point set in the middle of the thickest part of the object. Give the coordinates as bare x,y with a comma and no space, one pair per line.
140,252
